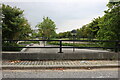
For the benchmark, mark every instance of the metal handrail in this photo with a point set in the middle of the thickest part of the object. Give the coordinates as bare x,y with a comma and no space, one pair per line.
60,46
70,40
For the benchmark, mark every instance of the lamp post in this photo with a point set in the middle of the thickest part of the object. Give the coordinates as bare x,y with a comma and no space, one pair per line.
73,33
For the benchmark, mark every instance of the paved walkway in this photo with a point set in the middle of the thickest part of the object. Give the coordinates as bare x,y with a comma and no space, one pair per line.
56,50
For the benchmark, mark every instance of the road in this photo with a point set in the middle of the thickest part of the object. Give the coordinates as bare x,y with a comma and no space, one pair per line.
69,73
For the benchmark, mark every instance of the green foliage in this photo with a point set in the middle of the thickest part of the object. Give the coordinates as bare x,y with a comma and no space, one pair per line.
65,35
102,28
29,42
75,44
110,25
34,34
94,27
47,28
14,25
87,31
11,45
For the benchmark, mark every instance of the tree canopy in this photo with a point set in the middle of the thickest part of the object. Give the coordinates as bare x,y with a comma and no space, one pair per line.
110,23
14,25
106,27
47,28
86,31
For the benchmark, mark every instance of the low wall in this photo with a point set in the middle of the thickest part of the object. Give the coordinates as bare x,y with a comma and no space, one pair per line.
59,56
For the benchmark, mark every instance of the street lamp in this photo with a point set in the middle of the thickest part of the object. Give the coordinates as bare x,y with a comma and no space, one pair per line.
73,33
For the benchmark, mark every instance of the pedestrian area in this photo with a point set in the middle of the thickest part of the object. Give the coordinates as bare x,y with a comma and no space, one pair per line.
56,50
60,64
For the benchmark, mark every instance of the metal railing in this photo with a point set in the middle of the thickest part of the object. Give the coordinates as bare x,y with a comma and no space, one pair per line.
116,48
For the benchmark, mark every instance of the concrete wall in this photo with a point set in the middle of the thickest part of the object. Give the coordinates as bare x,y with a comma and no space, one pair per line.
59,56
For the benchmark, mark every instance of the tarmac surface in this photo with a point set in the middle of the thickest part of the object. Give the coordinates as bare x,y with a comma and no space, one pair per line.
68,73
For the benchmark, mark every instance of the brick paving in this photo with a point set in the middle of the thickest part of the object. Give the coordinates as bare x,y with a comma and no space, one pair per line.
60,63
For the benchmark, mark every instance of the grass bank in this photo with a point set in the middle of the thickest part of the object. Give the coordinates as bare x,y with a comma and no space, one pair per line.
29,42
90,44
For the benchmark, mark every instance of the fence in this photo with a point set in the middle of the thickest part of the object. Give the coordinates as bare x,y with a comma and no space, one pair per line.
116,47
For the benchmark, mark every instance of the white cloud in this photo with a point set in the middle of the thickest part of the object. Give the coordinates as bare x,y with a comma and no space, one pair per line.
69,25
67,14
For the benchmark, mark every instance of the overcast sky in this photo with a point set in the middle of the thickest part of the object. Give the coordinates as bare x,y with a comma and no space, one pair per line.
67,14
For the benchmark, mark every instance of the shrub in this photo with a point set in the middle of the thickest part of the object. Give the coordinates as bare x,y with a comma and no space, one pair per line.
11,48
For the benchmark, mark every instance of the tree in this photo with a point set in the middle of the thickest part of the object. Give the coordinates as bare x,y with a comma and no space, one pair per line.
84,31
109,27
89,30
94,27
47,28
14,25
110,24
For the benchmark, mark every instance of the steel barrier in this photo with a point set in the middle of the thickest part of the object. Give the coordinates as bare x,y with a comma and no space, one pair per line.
116,48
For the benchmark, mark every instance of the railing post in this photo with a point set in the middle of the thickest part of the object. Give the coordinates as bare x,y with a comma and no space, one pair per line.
60,47
73,46
116,46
